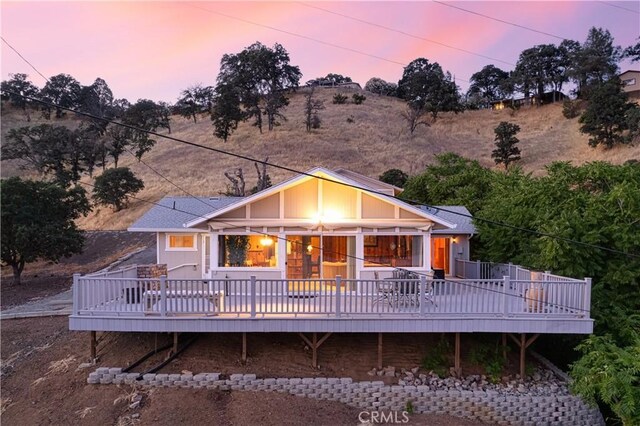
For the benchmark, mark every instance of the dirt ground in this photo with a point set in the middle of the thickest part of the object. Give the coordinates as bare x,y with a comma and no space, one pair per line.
41,383
43,279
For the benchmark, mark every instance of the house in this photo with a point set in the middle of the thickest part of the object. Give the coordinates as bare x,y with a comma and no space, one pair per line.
307,228
325,251
631,84
547,98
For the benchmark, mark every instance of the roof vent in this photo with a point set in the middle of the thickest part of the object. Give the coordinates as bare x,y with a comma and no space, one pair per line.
214,198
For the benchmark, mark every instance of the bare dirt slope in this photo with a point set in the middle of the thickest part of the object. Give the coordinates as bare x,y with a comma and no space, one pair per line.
368,138
41,383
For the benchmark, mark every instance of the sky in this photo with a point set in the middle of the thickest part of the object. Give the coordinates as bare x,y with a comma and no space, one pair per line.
154,50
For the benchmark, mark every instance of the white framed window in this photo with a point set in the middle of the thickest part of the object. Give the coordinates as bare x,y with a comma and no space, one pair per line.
248,251
181,242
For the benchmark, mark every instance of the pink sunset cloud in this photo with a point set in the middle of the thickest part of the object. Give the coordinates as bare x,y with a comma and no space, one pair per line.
156,49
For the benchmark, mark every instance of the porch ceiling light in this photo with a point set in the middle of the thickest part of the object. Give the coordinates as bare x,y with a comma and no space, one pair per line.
266,241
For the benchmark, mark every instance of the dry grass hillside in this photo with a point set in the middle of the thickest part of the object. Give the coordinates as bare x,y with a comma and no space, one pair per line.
377,139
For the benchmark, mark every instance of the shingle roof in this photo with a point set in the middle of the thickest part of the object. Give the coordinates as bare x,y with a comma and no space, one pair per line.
173,212
465,225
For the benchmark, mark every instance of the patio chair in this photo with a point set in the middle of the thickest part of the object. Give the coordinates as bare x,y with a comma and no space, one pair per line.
385,289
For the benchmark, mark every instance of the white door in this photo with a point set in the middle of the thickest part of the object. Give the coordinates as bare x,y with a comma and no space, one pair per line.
206,255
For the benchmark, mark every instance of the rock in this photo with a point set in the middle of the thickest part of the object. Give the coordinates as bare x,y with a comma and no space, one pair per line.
380,372
414,370
134,405
371,372
84,365
537,377
135,416
390,371
187,372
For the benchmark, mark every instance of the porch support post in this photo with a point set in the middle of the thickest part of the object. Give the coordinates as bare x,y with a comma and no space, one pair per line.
175,343
314,346
338,291
244,347
523,348
504,346
379,351
93,351
457,366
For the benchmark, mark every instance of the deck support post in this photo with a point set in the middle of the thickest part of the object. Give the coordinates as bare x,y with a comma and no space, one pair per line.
94,345
314,344
523,343
379,351
504,346
175,343
457,366
244,347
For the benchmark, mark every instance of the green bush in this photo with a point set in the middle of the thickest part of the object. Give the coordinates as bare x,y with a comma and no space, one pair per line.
340,99
436,359
570,109
358,98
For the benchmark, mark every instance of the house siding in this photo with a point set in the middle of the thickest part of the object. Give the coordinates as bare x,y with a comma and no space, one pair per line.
176,258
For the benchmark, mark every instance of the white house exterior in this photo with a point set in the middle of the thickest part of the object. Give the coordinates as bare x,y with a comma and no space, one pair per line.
311,226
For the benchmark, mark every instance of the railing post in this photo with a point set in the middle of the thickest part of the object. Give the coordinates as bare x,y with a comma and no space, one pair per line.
338,291
479,270
253,296
423,294
510,269
587,297
545,276
163,295
505,295
76,294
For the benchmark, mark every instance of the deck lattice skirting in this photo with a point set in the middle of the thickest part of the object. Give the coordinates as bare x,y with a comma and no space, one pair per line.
487,406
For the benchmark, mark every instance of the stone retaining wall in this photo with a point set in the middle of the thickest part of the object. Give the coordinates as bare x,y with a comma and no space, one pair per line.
488,406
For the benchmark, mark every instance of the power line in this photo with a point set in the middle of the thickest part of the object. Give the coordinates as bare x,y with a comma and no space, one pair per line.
404,33
23,58
499,20
619,7
298,172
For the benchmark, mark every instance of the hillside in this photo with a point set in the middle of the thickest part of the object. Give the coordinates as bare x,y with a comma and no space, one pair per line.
377,140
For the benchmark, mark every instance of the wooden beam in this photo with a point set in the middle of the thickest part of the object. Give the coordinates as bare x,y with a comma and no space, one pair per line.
175,343
244,347
304,338
314,358
523,348
457,366
94,345
504,346
379,351
322,340
516,341
531,340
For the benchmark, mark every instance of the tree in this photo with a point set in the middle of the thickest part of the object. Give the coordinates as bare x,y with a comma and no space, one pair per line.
395,177
16,88
311,108
506,150
427,87
194,100
58,151
226,112
452,180
38,222
381,87
331,79
115,186
261,76
611,373
539,67
595,62
605,118
414,115
62,90
632,52
489,83
97,100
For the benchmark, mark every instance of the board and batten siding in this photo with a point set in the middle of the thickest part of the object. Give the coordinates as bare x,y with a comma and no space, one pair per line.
176,258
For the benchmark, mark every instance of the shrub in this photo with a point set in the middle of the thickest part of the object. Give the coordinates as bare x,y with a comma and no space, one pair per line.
436,359
340,99
358,98
570,109
350,119
315,122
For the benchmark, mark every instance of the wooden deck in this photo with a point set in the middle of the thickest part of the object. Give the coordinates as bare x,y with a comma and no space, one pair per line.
253,305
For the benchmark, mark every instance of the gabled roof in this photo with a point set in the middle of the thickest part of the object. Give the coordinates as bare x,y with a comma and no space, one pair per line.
448,213
330,175
171,213
366,181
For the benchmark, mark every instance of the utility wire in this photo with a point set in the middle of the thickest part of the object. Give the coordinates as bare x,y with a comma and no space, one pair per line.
499,20
298,172
619,7
373,24
23,58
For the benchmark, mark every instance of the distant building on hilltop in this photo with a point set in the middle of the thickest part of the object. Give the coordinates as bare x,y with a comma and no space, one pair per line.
547,98
325,83
631,84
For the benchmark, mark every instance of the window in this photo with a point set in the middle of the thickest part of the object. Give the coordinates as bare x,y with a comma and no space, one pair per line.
181,242
253,251
392,251
629,82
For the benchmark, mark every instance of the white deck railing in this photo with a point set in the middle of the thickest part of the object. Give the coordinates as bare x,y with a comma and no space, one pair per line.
255,298
475,269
